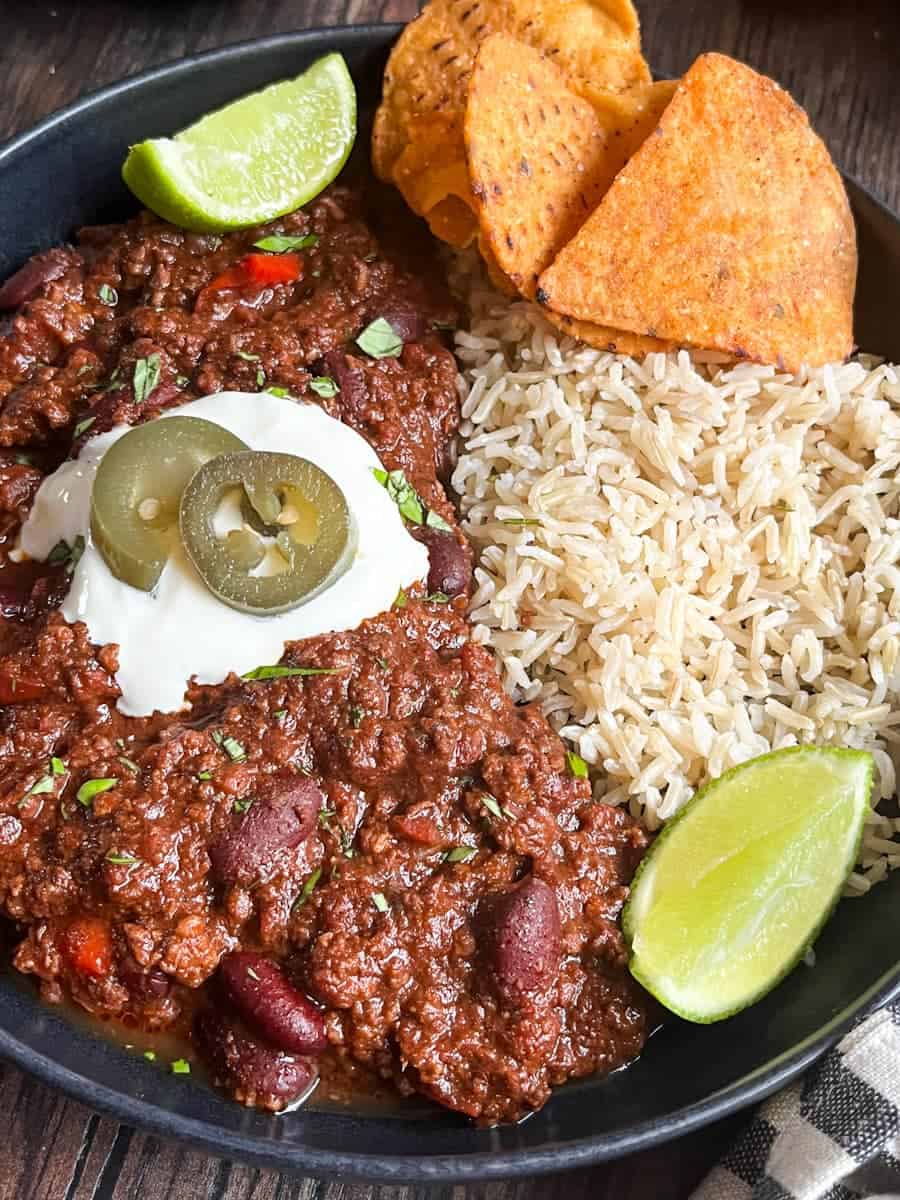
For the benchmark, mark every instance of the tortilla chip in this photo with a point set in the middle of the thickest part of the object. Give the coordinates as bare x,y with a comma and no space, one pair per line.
498,278
453,222
540,156
603,337
597,42
433,177
729,229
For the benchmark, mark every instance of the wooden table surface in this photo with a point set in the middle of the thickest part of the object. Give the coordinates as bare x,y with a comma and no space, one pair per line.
840,58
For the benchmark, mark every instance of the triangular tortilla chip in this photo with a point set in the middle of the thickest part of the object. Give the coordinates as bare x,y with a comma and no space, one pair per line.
433,178
540,156
729,229
616,341
603,337
597,42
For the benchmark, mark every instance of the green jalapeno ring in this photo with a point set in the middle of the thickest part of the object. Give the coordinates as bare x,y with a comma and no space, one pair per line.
298,507
137,490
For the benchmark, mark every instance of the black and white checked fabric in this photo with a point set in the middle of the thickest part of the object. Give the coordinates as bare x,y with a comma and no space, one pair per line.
835,1135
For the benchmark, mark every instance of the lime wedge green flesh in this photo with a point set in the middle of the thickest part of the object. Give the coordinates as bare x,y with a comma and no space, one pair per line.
735,890
254,160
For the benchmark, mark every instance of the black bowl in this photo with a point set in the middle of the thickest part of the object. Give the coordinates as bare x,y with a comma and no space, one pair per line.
66,173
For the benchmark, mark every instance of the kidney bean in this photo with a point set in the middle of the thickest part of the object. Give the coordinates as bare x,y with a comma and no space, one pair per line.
405,320
283,814
146,985
349,377
449,569
258,1074
270,1003
30,278
521,938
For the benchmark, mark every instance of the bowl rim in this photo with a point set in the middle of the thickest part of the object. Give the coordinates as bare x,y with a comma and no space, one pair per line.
406,1168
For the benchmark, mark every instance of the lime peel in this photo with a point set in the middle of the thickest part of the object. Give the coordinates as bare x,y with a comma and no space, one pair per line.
737,887
253,160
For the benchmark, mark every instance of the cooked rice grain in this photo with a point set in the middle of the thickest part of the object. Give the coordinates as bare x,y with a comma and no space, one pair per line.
686,562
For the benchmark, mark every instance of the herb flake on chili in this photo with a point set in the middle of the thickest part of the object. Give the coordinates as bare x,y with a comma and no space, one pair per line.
379,339
93,787
278,243
324,386
279,672
146,378
308,888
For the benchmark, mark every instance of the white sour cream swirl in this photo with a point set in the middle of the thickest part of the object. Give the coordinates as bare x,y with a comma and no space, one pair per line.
180,629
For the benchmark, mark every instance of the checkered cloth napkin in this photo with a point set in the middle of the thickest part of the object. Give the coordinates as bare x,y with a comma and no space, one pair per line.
835,1135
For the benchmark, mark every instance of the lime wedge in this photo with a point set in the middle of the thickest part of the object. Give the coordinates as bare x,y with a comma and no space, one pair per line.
735,890
255,159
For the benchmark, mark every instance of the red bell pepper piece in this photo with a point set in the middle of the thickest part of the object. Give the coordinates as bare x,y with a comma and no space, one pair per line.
15,690
258,270
89,946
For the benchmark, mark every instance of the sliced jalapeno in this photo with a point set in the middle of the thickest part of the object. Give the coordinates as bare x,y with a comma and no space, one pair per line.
137,492
288,507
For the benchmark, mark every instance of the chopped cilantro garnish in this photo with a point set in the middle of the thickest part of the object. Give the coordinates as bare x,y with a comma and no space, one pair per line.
380,901
145,378
246,356
402,493
217,735
234,749
438,597
204,775
260,377
491,805
57,766
279,713
325,816
45,784
150,1055
383,663
576,764
182,380
129,764
121,860
356,715
279,672
181,1066
281,392
460,854
308,888
278,243
241,806
91,788
324,386
83,426
63,554
408,500
401,600
108,294
380,340
435,521
114,381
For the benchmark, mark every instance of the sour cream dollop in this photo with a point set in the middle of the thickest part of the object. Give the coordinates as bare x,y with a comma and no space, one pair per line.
181,629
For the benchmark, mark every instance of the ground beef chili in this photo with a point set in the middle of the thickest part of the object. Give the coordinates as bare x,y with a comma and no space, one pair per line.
389,862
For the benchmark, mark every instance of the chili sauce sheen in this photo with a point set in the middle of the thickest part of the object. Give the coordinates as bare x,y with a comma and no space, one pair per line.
180,629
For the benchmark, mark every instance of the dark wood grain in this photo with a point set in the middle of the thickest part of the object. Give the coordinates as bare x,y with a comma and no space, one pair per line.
839,57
